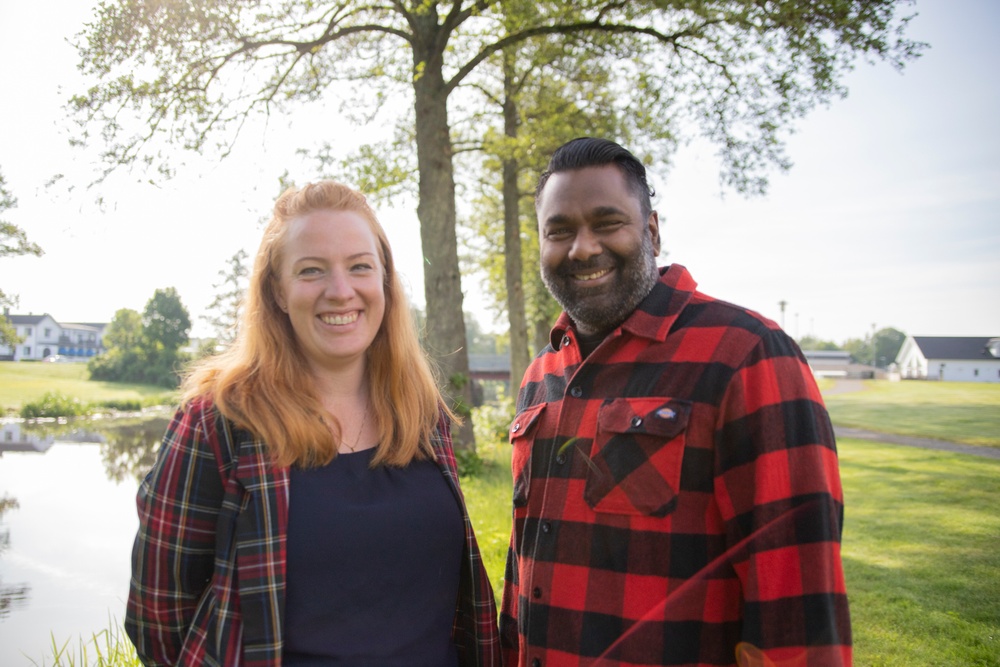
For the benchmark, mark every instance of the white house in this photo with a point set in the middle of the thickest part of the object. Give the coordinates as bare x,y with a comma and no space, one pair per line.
44,337
950,358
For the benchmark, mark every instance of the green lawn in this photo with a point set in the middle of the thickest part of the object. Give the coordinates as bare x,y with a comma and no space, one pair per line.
921,555
22,382
966,412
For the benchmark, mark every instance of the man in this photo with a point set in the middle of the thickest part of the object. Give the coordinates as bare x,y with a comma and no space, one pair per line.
676,493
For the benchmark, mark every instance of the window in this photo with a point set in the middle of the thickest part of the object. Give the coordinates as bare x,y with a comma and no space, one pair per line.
27,351
48,333
27,331
976,372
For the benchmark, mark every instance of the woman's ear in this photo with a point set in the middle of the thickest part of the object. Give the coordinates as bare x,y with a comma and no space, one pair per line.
279,298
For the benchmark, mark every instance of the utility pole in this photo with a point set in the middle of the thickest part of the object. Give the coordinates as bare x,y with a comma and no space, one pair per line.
782,305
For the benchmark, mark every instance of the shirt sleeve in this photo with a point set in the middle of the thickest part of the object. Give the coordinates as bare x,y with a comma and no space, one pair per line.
172,558
778,487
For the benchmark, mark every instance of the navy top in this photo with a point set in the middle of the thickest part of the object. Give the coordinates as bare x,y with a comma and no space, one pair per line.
373,562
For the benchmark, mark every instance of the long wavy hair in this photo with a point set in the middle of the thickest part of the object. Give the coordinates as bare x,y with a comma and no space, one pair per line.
261,382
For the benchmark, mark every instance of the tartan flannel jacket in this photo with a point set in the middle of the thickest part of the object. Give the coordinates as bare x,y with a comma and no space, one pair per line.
677,499
208,565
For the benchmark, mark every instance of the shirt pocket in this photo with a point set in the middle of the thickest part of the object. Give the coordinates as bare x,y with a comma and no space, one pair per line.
521,432
635,461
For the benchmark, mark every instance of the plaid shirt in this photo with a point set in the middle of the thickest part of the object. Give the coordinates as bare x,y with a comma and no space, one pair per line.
677,499
208,566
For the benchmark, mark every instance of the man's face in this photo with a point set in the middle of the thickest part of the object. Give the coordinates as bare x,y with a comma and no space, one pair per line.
598,253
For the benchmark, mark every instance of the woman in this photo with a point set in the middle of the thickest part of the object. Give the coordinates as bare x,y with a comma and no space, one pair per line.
304,507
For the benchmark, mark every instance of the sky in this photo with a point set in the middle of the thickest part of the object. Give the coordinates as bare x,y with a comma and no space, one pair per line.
890,216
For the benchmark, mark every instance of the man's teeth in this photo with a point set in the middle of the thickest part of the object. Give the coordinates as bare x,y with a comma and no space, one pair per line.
339,319
593,276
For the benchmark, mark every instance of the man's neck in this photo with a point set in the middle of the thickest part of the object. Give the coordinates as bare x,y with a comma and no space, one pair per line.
589,342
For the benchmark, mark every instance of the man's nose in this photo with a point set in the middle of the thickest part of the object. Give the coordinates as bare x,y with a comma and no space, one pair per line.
585,245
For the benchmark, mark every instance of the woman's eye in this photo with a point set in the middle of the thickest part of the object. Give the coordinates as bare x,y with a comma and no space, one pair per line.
309,271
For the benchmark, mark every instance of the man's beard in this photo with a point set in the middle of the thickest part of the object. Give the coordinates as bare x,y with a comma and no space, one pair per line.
599,310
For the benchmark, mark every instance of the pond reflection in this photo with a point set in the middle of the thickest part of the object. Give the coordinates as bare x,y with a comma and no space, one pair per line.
128,444
10,596
67,521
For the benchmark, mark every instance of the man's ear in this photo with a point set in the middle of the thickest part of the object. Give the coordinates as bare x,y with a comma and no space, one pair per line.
654,231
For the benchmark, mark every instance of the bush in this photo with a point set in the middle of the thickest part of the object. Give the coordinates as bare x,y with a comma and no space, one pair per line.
121,405
491,421
55,404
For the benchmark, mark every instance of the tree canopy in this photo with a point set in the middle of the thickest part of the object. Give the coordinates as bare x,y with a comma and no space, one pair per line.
737,71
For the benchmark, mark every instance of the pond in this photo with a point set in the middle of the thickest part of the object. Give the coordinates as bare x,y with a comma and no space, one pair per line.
67,521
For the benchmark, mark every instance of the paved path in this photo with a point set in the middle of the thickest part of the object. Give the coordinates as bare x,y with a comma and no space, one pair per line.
842,386
910,441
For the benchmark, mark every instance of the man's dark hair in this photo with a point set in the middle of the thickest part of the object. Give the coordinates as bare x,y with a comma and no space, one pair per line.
591,152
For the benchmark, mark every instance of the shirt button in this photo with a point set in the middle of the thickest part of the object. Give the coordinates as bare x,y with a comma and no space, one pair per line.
565,341
536,663
536,593
546,527
517,427
561,459
576,392
636,422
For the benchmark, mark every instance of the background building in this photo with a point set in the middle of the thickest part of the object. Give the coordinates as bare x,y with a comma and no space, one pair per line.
950,358
44,337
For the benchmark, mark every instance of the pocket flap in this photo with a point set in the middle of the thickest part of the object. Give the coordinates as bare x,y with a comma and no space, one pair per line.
524,421
652,416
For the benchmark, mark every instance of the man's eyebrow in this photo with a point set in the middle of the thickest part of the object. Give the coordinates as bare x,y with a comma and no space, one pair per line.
596,212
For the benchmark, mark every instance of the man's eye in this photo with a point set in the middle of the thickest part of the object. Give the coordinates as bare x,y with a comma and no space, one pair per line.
610,225
558,233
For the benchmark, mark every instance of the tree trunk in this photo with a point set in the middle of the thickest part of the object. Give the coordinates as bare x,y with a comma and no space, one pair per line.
513,265
436,212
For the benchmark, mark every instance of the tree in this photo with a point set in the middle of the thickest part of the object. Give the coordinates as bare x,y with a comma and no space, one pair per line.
878,348
125,330
195,70
814,343
165,321
145,348
13,242
224,311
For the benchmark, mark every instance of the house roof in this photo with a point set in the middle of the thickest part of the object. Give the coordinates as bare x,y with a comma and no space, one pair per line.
957,347
28,319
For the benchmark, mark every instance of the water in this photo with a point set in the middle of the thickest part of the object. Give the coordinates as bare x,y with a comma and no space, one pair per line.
67,521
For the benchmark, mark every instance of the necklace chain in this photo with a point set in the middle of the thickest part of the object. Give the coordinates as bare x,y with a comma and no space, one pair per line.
357,440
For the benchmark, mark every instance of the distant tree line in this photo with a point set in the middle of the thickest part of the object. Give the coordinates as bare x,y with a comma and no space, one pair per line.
877,349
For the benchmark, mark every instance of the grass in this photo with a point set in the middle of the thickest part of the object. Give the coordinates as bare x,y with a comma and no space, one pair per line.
920,555
965,412
25,382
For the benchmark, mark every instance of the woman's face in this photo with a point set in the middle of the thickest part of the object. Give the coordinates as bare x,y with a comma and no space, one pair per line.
331,284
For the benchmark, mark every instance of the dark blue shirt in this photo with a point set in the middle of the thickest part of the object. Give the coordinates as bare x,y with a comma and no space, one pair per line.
373,565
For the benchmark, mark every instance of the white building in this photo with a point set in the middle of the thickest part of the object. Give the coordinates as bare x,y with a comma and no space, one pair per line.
44,337
950,358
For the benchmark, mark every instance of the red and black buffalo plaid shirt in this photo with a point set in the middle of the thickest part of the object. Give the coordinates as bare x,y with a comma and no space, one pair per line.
676,497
